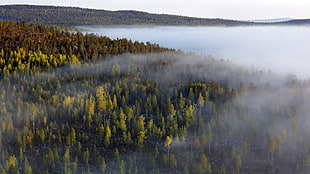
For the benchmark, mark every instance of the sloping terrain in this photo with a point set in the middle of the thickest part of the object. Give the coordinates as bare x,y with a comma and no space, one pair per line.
80,16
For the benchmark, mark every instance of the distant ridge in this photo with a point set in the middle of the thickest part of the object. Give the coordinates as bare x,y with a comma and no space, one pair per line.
271,20
284,21
80,16
71,16
295,22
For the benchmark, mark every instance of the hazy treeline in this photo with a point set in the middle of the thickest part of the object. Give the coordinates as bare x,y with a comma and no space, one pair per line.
72,16
80,16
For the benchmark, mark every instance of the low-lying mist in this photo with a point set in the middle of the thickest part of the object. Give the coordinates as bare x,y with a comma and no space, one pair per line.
261,126
269,108
245,110
278,49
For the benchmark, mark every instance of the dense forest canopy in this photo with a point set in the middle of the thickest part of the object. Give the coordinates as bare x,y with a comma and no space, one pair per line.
74,103
33,45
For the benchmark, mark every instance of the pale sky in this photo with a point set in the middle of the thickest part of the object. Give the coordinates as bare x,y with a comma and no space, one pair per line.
228,9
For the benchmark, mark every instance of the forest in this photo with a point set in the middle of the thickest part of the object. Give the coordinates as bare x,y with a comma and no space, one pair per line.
75,103
71,16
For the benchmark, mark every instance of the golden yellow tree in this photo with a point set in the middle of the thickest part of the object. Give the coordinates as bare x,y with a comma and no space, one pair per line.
168,141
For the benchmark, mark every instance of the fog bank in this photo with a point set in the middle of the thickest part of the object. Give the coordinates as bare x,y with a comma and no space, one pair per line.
278,49
265,106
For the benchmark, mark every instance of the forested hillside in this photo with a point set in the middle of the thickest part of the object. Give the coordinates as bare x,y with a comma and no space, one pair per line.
73,103
296,22
35,47
79,16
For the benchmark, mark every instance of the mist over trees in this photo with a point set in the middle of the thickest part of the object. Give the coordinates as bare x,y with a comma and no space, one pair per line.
140,108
